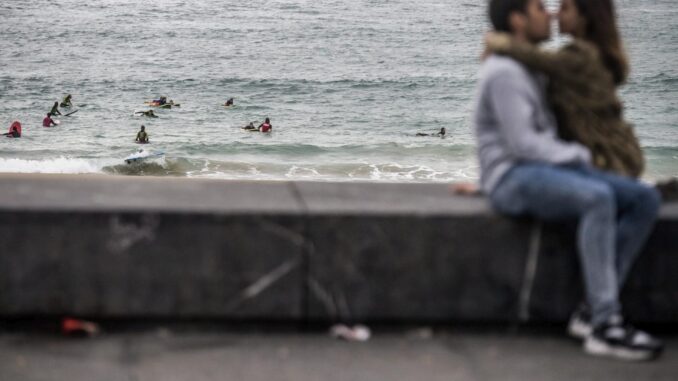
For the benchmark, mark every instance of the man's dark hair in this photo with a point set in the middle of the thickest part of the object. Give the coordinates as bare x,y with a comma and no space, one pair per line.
499,11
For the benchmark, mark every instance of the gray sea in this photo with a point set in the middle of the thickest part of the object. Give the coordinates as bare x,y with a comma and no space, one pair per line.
347,85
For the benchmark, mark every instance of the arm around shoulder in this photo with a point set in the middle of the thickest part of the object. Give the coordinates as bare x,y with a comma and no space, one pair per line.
555,64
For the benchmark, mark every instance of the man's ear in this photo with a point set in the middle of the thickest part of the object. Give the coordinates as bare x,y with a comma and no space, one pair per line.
517,22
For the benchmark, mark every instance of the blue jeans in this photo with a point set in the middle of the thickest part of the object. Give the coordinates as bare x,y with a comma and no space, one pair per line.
615,216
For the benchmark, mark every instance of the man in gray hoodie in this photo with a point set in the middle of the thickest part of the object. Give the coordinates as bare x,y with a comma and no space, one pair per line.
526,170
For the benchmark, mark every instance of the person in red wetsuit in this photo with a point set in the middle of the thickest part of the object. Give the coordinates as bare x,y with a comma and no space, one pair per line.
266,126
14,130
48,121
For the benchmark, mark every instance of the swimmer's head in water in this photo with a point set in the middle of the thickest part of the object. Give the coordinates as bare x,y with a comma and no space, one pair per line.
442,131
143,127
267,120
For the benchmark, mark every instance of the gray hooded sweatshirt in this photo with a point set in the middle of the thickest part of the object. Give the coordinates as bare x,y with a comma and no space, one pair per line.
514,124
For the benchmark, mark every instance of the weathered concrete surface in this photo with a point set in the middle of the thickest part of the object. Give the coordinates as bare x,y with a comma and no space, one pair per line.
149,265
137,246
456,355
113,246
415,267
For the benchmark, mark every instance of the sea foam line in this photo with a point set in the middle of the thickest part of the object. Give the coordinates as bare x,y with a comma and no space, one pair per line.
56,165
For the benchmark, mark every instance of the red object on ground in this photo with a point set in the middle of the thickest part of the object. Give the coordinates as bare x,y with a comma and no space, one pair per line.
71,326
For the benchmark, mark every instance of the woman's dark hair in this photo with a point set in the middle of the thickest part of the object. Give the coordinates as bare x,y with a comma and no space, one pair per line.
601,30
499,11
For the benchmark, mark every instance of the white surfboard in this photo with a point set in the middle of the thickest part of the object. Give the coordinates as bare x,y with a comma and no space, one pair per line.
142,155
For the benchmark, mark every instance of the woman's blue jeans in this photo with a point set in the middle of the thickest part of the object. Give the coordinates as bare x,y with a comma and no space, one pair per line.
615,216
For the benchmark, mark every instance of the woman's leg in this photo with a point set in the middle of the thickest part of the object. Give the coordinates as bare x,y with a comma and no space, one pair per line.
637,205
554,193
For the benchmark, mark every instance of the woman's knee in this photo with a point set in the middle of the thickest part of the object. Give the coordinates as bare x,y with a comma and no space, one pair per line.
598,196
649,198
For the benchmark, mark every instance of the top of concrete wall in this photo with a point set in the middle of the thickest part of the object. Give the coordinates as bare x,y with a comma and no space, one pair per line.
103,193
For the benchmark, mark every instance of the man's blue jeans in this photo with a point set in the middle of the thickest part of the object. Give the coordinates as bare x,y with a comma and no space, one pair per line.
615,216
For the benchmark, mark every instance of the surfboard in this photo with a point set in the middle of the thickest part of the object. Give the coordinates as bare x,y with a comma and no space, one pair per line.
142,155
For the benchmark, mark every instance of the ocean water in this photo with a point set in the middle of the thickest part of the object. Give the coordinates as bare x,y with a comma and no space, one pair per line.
347,85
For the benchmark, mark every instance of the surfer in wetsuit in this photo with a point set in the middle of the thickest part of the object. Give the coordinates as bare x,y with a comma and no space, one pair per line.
67,101
142,136
55,109
160,101
48,121
148,113
14,130
441,133
250,127
229,102
266,126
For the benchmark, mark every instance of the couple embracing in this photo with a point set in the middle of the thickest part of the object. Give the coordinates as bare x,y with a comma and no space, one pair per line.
553,145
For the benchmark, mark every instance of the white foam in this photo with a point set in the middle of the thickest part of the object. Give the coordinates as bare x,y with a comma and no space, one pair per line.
301,172
57,165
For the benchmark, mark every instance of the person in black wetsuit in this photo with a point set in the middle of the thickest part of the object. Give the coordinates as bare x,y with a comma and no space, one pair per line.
142,136
441,133
55,109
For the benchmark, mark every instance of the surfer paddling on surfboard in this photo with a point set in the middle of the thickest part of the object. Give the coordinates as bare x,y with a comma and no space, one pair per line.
148,113
250,127
441,133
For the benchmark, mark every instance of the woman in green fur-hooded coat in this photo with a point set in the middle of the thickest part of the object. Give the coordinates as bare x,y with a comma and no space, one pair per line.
583,81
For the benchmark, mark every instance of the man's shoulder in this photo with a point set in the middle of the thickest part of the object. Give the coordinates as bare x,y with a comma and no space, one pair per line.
499,66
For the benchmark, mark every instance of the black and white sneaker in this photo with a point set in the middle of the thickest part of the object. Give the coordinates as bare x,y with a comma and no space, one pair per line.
622,341
580,326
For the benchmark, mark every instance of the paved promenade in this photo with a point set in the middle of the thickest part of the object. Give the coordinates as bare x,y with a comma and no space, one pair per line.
165,354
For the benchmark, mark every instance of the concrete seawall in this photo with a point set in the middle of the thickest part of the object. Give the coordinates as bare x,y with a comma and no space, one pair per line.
134,247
